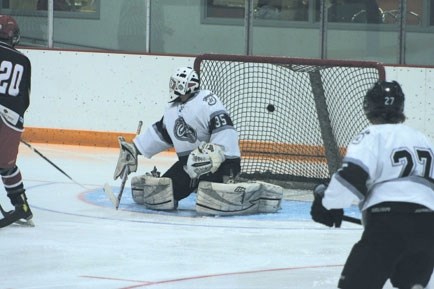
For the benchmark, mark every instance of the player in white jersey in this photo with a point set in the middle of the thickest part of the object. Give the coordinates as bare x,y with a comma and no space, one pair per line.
198,126
388,168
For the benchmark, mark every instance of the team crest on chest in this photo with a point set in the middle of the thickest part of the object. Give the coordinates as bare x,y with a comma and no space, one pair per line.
184,132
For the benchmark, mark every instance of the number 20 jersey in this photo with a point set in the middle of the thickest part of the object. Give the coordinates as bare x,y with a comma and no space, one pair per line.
384,163
15,73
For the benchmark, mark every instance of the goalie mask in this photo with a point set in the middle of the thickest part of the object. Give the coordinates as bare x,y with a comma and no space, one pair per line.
385,100
9,30
184,81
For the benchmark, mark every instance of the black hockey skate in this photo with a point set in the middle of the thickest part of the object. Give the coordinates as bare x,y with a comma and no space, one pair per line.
22,215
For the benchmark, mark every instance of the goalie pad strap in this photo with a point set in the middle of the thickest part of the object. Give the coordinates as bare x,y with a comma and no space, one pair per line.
238,199
154,193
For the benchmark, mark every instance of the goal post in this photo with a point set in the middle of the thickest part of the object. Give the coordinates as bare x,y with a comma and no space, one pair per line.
295,117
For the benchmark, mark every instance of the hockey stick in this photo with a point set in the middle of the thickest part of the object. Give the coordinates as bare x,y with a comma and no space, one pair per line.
124,180
351,220
107,189
51,163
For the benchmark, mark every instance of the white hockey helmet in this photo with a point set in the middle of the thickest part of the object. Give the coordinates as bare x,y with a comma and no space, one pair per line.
183,81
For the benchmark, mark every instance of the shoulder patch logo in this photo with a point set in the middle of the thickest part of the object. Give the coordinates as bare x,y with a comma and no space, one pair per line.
358,138
184,132
210,99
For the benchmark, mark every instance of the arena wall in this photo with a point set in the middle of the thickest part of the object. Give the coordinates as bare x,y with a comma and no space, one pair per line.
89,98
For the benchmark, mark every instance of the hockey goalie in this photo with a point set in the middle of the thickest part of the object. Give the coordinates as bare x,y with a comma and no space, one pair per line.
198,126
213,198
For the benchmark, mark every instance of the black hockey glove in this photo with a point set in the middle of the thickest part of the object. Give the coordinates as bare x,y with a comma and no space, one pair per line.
320,214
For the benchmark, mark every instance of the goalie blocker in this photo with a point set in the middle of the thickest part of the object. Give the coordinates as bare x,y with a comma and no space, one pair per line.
212,198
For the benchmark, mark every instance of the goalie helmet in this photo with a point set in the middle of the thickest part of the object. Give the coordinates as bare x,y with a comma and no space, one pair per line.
183,81
385,100
9,30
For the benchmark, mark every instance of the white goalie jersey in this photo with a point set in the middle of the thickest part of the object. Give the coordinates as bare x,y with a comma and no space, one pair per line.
184,126
384,163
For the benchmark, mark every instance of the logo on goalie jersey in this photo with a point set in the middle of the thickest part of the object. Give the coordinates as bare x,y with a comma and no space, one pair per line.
184,132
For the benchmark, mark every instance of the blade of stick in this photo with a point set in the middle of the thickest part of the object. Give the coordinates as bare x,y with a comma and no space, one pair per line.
109,193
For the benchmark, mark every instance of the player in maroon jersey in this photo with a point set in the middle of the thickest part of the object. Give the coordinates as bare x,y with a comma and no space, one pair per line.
15,74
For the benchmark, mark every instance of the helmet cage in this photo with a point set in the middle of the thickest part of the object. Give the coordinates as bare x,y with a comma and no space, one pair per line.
184,81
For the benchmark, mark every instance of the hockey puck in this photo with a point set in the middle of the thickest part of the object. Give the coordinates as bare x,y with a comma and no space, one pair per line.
270,108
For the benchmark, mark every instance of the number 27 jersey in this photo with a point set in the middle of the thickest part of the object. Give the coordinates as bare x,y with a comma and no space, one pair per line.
384,163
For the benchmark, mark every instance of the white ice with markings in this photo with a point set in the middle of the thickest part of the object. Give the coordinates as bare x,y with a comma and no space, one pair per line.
81,241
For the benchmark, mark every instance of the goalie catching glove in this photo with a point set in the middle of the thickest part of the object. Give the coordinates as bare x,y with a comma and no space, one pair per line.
207,158
320,214
127,158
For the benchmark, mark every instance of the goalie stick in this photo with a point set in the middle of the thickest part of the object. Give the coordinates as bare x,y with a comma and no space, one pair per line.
107,189
12,217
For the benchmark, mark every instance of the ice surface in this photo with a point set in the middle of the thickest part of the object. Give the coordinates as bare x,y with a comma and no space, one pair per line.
81,241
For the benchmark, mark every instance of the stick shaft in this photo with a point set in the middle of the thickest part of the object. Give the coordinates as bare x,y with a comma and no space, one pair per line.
351,220
139,127
51,163
121,191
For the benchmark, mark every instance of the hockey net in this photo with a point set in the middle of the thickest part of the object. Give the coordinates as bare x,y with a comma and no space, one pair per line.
294,116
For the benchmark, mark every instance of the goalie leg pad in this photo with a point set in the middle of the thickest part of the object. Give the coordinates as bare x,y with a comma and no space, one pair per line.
238,199
154,193
271,198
